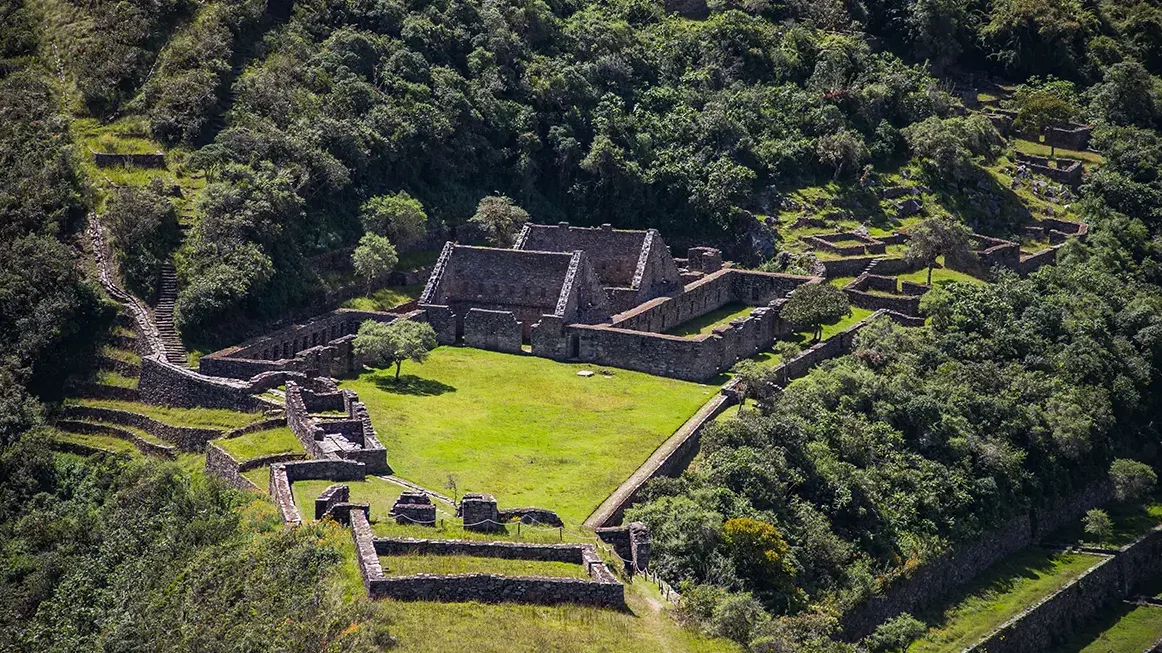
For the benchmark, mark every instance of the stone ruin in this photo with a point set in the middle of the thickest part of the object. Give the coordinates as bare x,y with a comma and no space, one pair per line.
478,512
631,543
414,508
1064,171
346,434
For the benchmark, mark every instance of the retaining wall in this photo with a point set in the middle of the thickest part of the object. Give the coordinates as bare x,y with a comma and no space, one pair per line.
1053,619
220,464
144,446
186,438
571,553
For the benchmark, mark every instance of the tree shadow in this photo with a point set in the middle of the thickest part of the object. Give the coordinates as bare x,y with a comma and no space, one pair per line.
410,384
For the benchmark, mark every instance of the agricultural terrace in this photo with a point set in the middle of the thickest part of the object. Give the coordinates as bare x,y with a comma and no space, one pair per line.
528,430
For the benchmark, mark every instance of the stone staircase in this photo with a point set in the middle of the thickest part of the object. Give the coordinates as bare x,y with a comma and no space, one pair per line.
175,351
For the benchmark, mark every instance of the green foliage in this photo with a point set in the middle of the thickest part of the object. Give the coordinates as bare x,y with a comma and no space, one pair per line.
1098,524
812,305
373,258
139,555
144,227
498,220
936,237
1132,480
399,217
946,147
895,634
1128,95
391,344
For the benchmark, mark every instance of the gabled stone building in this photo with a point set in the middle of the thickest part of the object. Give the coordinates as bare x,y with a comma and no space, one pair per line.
632,266
498,294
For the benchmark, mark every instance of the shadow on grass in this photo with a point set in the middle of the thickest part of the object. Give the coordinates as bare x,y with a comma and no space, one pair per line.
998,580
410,384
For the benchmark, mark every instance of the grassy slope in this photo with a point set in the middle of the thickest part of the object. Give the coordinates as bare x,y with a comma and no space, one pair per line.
706,323
385,299
197,417
1129,628
528,430
261,443
1000,594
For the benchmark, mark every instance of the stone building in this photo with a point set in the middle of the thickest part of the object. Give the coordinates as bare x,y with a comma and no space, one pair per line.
510,290
632,266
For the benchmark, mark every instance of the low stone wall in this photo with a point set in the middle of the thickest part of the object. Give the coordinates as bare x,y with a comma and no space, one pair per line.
832,243
847,267
260,425
98,391
571,553
1054,619
186,438
324,470
221,465
148,160
492,588
328,498
1069,175
280,491
144,446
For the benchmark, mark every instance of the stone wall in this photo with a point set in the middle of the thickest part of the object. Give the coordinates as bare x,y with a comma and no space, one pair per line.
493,330
1073,137
148,160
284,499
934,579
351,439
847,243
1070,174
571,553
908,303
613,253
185,438
630,542
221,465
493,588
1054,619
329,497
168,385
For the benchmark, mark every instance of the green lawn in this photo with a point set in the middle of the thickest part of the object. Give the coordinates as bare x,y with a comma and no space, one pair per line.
999,595
197,417
121,354
528,430
104,442
407,565
706,323
386,299
261,443
829,330
1127,629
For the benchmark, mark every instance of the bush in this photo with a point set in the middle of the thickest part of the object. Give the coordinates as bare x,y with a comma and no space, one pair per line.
895,634
144,227
1132,479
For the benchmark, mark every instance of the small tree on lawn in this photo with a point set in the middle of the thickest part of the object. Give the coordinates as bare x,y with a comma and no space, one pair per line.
498,220
382,344
936,237
815,304
786,350
1132,479
1098,524
374,257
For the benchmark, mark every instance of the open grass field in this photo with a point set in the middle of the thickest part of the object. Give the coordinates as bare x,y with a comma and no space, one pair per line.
407,565
1041,149
999,595
1128,628
706,323
829,330
528,430
261,443
197,417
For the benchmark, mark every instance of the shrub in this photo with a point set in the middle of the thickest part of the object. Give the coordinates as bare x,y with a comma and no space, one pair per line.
1132,479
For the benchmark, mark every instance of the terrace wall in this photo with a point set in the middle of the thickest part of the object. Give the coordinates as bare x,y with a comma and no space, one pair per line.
1056,617
186,438
221,465
571,553
934,579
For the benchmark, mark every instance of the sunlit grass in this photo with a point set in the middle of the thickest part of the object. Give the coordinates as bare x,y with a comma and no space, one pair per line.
261,443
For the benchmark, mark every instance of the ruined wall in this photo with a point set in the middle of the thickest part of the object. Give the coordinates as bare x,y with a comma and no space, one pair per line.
147,160
221,465
614,253
327,499
493,330
168,385
492,588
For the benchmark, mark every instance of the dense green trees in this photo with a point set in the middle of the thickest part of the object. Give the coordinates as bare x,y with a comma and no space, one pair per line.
1021,390
144,227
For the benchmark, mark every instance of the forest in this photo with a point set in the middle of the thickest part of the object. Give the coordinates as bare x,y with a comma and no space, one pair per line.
685,117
